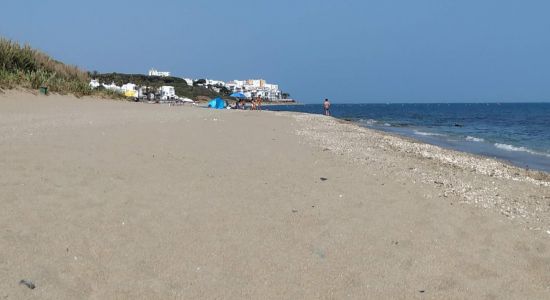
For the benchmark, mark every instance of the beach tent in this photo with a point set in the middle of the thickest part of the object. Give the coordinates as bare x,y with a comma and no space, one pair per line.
217,103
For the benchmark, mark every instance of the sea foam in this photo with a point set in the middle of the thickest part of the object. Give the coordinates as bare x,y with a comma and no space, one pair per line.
427,133
371,122
474,139
519,149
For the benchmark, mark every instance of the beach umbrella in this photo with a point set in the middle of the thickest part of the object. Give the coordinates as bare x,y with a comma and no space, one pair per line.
238,95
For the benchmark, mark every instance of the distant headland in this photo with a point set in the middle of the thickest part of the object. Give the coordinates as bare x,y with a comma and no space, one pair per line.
161,86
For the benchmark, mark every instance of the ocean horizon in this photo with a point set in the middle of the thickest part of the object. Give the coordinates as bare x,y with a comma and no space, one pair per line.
514,132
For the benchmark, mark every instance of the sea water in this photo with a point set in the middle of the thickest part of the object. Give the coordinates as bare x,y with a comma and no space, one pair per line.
517,133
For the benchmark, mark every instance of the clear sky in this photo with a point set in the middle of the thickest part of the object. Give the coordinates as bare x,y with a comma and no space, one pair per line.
346,50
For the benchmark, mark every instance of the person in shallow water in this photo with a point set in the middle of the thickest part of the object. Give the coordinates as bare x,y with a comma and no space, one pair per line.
327,107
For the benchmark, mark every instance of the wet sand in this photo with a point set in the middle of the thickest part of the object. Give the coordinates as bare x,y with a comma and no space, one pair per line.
114,200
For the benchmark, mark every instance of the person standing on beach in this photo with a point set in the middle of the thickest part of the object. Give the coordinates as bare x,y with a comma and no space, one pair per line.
259,103
327,107
253,101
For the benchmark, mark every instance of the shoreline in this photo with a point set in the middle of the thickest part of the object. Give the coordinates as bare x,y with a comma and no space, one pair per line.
535,173
521,156
507,161
323,132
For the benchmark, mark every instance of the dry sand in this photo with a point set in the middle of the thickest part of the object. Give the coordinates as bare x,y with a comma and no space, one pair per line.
110,200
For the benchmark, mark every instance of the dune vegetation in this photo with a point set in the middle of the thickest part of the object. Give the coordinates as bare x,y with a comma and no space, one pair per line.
25,67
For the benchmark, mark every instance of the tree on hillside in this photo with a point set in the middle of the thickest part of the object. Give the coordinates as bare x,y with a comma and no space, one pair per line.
224,91
199,82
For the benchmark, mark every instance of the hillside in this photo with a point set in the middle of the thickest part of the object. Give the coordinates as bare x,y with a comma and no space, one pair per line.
180,85
22,66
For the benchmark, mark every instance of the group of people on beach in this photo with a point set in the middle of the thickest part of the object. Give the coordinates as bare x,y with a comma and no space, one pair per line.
256,104
241,104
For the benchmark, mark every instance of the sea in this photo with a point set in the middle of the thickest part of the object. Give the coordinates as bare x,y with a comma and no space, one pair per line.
518,133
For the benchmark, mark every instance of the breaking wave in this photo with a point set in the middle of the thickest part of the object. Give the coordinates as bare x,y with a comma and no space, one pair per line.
474,139
427,133
370,122
519,149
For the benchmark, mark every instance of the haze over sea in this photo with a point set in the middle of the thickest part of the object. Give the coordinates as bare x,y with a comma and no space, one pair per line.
516,132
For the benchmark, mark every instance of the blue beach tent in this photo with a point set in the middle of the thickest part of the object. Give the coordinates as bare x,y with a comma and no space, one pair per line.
217,103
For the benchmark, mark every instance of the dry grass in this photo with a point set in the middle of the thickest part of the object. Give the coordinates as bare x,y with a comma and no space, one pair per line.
23,66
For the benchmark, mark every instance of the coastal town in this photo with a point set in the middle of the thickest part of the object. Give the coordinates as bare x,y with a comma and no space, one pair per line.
250,88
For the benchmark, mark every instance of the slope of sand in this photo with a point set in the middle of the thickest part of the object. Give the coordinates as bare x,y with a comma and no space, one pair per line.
112,200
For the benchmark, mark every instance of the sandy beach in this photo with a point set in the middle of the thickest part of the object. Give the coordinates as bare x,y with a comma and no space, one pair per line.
105,199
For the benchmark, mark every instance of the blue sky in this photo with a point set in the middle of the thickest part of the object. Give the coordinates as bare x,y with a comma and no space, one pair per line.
346,50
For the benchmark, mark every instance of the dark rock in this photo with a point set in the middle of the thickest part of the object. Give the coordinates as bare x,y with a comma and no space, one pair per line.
27,283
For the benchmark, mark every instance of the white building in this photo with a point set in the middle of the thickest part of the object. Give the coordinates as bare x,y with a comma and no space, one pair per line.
128,87
236,86
189,81
94,83
167,92
255,88
217,83
129,90
112,87
154,72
